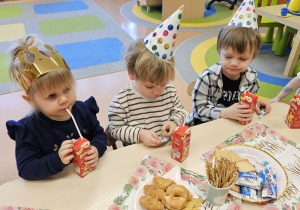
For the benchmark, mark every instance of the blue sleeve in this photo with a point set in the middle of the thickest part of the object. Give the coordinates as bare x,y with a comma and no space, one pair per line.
31,164
96,136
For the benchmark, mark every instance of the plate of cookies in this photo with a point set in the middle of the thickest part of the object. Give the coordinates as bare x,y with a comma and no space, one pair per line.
261,178
165,192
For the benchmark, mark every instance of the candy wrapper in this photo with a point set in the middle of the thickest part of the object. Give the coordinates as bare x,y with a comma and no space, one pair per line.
181,143
248,192
269,189
293,116
250,100
250,180
80,149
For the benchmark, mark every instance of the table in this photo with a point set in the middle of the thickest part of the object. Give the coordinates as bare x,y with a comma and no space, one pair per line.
294,22
193,9
99,188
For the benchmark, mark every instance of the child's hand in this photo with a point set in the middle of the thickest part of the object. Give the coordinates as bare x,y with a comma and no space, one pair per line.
149,138
274,100
236,112
169,125
92,157
260,104
65,151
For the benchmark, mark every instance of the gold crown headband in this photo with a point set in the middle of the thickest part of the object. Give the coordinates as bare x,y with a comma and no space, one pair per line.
41,65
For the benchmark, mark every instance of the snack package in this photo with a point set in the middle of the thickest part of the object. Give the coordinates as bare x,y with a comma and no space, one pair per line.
249,180
80,149
250,100
270,183
248,192
293,116
181,143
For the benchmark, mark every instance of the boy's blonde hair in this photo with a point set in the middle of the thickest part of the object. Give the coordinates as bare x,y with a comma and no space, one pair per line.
45,83
146,66
238,38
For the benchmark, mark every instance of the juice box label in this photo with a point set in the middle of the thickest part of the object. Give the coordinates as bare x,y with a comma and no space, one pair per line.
181,143
250,100
80,150
293,116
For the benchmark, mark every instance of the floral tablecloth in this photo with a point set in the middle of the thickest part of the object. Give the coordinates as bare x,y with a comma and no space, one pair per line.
151,166
3,207
284,150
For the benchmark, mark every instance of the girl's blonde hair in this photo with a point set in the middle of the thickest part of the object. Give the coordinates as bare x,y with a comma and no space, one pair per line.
45,83
146,66
238,38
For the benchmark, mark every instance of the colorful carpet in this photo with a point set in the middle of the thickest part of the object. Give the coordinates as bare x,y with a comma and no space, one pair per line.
216,18
196,54
89,40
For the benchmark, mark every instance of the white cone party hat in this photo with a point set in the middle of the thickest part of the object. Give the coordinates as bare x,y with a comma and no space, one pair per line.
245,16
161,41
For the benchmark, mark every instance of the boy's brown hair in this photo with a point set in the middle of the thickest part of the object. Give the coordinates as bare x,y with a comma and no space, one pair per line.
238,38
146,66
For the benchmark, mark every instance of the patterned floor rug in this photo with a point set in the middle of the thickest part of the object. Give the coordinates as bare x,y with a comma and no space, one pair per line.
216,18
89,40
196,54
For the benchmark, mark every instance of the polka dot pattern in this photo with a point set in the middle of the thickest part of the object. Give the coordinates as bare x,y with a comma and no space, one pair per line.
161,41
245,16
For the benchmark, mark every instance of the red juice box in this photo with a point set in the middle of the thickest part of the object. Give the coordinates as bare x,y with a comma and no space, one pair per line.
80,149
293,116
250,100
181,143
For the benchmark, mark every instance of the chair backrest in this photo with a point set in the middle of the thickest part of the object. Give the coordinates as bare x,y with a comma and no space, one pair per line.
263,3
190,88
110,140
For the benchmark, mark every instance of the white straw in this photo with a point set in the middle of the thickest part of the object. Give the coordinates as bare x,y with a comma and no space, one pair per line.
74,122
187,114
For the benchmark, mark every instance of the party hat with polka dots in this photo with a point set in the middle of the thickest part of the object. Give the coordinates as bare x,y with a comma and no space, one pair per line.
161,41
245,16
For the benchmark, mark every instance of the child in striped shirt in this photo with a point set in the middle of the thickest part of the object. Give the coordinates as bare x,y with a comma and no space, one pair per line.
148,106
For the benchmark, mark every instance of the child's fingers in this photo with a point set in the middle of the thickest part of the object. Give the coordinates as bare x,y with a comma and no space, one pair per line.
67,159
90,157
154,135
66,152
91,162
68,142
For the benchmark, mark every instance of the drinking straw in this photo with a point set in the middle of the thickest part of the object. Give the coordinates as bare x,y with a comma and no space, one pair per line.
74,123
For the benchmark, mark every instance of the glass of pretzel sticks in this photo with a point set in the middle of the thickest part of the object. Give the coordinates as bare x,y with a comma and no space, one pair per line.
220,176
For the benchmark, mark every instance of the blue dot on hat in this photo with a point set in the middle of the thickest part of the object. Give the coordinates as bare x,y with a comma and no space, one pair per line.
161,25
164,56
170,27
146,42
157,54
243,4
177,27
239,24
248,23
171,54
